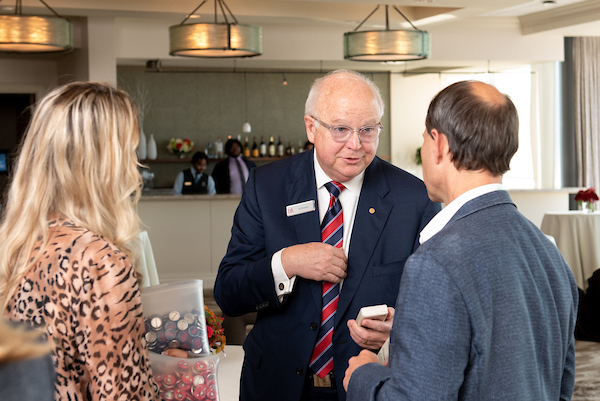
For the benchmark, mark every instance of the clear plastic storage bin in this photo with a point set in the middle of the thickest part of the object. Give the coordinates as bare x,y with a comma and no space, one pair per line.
174,318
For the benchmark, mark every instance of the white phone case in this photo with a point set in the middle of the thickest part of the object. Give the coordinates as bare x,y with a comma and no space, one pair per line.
376,312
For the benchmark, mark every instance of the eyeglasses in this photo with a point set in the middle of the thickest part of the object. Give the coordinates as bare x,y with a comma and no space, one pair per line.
341,133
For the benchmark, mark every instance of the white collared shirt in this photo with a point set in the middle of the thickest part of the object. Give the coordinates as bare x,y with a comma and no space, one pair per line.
349,200
439,221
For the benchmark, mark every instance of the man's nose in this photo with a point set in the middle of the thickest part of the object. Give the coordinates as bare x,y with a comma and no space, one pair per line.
354,141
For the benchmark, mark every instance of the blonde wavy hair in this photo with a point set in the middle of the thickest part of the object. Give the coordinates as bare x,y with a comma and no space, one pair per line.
77,160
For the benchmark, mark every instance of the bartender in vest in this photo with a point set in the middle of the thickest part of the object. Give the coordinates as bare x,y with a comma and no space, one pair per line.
193,180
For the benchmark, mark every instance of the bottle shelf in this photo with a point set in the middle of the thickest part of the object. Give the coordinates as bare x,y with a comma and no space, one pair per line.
189,160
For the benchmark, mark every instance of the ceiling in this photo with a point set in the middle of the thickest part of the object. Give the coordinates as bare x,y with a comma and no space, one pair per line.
564,17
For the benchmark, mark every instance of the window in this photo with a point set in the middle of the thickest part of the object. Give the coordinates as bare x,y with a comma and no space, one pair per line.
517,84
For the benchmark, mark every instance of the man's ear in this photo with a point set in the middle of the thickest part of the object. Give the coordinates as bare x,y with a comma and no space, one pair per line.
441,147
310,128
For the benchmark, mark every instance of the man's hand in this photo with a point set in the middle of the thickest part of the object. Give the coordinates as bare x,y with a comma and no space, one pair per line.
373,333
176,352
315,261
356,362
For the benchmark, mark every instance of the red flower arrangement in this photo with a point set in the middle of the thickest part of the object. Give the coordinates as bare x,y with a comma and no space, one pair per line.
588,195
215,330
180,147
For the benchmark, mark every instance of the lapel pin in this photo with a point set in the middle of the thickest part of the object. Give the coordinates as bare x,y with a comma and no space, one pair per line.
372,210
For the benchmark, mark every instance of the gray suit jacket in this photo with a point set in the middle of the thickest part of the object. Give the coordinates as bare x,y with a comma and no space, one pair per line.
486,311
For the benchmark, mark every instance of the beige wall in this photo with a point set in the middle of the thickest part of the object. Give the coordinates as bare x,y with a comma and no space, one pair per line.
189,234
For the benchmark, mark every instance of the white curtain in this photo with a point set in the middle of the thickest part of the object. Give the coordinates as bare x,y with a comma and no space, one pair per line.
586,66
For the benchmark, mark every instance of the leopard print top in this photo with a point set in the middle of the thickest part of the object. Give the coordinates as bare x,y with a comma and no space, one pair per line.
84,291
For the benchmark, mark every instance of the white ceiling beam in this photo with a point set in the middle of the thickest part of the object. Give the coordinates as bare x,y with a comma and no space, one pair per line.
560,17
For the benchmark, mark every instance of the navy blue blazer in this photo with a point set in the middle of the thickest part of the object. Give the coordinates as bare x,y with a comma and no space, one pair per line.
392,209
486,311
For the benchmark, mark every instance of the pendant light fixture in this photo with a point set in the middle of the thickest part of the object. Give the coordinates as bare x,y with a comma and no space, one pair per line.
386,45
34,33
215,40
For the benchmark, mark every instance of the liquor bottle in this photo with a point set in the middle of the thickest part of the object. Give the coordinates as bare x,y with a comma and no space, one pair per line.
246,148
280,148
218,148
263,147
209,151
300,146
255,152
290,150
272,148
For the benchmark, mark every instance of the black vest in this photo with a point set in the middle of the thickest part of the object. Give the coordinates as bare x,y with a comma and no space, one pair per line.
191,187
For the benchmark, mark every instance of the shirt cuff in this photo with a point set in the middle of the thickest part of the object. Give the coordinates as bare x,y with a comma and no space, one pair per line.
283,284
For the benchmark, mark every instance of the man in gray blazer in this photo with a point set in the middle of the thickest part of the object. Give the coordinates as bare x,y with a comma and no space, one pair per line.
487,305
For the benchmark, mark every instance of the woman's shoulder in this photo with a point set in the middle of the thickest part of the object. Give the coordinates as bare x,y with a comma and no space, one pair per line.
67,236
85,258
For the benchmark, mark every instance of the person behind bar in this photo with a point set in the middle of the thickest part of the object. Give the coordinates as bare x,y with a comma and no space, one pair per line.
67,242
193,180
487,305
232,173
281,263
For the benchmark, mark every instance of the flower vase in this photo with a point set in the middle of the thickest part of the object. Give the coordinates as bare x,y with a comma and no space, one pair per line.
590,207
585,206
152,150
142,150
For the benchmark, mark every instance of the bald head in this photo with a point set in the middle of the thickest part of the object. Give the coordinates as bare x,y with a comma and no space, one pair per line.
487,93
481,124
342,83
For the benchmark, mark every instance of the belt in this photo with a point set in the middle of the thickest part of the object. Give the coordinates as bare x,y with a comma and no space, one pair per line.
327,382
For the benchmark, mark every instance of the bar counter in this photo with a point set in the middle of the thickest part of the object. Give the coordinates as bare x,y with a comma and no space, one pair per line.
167,194
189,233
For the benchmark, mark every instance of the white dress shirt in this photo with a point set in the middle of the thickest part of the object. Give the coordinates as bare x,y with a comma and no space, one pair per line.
348,199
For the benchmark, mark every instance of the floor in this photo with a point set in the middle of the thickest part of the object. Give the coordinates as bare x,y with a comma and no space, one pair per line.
587,371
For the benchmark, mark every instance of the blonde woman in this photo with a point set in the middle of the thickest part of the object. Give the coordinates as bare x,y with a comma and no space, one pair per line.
66,242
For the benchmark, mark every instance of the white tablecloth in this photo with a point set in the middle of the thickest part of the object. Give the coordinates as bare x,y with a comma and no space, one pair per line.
230,370
577,235
146,264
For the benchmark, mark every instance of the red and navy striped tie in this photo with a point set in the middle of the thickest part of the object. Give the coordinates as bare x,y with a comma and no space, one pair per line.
332,230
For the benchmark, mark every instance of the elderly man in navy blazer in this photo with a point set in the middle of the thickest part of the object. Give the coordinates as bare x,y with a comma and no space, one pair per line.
487,305
309,282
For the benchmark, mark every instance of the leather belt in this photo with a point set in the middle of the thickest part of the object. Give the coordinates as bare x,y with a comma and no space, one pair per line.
327,382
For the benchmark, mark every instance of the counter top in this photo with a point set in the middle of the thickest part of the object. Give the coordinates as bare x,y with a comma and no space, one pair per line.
167,194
